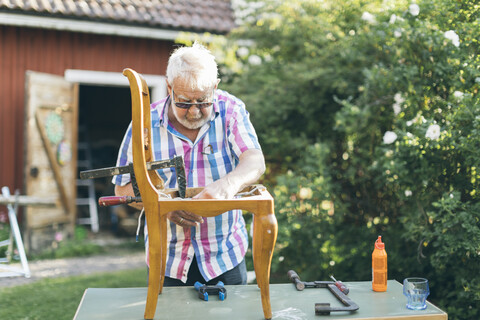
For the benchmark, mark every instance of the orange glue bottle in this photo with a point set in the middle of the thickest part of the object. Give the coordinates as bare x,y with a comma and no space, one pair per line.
379,266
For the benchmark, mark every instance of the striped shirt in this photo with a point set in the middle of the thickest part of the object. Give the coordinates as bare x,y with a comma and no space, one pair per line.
219,243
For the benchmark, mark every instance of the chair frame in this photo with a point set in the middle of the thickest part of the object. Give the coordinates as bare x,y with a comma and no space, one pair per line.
261,204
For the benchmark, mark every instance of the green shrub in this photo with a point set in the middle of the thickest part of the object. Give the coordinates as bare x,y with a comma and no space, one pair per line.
368,113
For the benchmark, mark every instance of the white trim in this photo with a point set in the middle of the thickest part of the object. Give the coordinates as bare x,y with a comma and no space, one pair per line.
21,20
156,83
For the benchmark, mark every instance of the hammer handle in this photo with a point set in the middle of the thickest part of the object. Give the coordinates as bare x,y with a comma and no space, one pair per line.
113,201
295,279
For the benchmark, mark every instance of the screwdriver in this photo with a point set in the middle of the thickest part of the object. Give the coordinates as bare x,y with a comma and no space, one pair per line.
340,286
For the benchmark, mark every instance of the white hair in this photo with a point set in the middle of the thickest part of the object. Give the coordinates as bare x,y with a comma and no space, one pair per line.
196,65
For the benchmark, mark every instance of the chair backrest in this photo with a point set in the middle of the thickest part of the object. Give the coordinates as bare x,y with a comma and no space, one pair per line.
148,181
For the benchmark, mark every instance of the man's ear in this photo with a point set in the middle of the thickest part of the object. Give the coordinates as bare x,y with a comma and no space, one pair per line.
169,87
218,81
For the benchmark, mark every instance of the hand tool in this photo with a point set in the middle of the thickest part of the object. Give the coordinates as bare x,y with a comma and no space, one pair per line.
114,200
204,290
176,162
340,285
324,308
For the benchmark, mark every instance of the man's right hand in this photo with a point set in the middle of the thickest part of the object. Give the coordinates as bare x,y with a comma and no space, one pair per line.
184,219
127,190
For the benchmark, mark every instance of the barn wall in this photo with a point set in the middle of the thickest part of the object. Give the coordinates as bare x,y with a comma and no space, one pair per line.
52,51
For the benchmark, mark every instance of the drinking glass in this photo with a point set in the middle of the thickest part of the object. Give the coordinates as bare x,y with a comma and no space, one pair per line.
416,290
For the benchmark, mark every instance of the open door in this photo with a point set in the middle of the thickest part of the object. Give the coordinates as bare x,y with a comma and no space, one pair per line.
50,156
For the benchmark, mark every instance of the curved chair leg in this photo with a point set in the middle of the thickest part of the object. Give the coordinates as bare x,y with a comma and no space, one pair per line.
264,237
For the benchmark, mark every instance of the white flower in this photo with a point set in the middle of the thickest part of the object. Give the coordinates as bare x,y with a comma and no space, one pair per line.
408,193
398,98
254,60
458,95
397,33
414,9
305,193
433,132
477,79
393,18
367,16
452,36
409,123
389,137
243,52
396,108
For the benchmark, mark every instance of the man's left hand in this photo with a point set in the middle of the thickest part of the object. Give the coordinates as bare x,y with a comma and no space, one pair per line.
251,166
220,189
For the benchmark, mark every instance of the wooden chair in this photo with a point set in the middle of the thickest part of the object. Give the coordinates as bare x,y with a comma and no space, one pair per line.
156,207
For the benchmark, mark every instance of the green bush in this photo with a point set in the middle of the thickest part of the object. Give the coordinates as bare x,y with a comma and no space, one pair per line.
368,114
416,122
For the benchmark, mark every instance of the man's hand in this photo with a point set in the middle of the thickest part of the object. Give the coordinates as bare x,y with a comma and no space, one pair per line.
181,218
220,189
127,190
184,219
251,166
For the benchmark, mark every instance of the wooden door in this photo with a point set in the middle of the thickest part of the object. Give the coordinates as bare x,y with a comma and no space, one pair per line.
51,148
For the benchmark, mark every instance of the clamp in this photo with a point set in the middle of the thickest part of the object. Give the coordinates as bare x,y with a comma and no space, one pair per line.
204,290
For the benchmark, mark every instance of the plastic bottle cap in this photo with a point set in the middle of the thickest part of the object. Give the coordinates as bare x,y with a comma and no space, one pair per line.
379,244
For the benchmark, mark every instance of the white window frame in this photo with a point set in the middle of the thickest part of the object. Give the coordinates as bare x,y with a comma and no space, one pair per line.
157,84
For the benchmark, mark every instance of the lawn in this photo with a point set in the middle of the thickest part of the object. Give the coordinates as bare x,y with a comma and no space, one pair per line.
58,298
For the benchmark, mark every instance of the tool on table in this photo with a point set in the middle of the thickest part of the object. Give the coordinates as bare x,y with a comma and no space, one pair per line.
176,162
334,287
204,290
340,285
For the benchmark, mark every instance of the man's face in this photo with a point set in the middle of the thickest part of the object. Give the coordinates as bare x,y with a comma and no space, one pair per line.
195,116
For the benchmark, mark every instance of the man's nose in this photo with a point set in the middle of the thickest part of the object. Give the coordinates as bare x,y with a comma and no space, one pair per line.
193,109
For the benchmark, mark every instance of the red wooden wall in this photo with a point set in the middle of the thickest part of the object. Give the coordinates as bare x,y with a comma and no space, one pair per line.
52,51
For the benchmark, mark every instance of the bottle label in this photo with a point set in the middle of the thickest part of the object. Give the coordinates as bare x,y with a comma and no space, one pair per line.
379,263
379,277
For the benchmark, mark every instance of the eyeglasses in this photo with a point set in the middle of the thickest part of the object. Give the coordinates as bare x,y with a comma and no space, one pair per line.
187,105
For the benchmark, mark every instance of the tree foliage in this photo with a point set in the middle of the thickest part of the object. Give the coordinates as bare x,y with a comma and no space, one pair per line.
369,115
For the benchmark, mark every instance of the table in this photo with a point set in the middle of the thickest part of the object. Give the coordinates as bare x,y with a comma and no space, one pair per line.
244,302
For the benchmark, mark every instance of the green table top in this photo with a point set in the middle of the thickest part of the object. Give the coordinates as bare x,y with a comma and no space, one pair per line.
243,302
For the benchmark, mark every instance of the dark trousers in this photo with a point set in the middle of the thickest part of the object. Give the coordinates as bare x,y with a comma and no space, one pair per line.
237,275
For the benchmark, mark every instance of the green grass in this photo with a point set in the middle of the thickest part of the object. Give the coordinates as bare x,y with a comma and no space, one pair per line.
59,298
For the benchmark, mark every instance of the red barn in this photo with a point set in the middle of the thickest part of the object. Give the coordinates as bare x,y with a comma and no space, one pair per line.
62,94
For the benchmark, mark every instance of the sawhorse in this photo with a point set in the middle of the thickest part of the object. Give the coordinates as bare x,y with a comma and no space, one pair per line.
14,233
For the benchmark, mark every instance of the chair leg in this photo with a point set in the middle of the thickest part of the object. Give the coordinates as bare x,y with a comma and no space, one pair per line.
153,284
264,237
157,261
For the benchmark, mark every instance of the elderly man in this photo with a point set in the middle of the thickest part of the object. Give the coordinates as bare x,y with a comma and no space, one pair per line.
211,129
